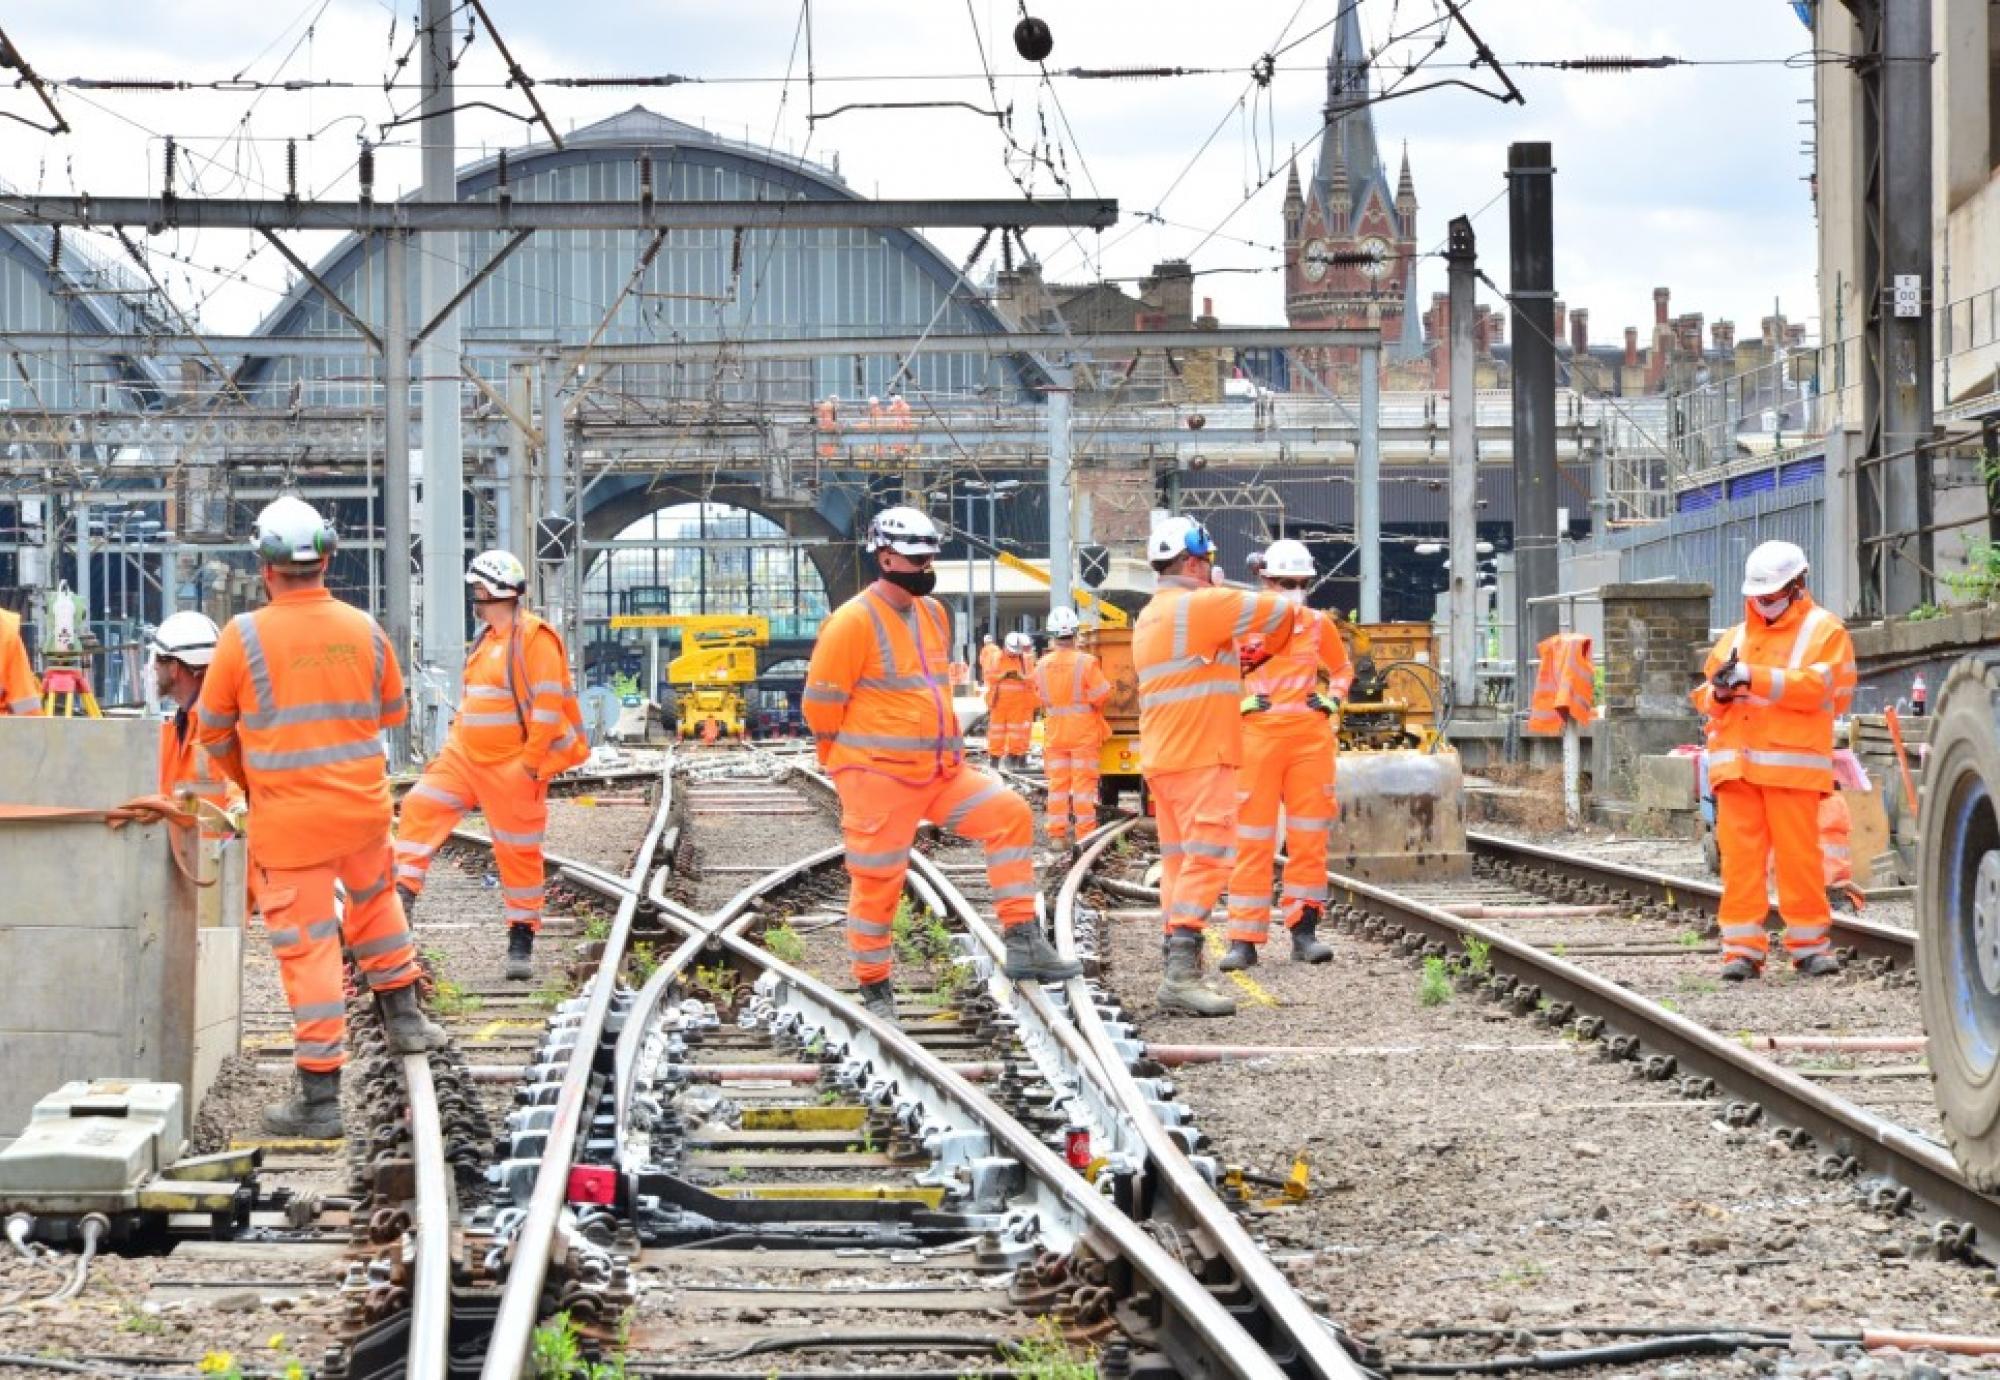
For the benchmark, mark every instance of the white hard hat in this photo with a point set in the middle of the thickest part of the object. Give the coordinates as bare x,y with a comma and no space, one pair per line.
1286,559
906,531
1771,567
290,531
1179,536
1063,623
1020,642
499,573
187,637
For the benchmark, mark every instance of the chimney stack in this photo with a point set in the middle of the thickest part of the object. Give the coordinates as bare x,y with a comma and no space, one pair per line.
1724,333
1561,327
1631,347
1660,296
1579,330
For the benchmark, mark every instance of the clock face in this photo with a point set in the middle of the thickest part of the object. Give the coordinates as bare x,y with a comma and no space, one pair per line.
1313,260
1377,250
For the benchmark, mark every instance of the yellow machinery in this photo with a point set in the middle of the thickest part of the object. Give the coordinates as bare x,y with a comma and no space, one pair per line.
717,662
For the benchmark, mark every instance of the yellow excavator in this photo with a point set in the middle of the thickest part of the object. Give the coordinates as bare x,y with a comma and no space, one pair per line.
717,663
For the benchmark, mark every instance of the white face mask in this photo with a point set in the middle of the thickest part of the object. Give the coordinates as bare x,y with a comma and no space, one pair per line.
1292,596
1773,608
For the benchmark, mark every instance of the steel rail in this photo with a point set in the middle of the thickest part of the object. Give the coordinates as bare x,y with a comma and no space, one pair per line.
1285,1313
1863,936
1880,1146
429,1354
534,1243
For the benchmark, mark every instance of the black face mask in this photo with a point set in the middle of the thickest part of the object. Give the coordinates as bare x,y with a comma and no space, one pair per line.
912,581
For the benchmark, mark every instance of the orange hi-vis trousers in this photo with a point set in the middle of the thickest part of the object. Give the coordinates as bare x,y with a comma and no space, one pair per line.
307,935
1072,774
1197,819
517,816
1010,725
879,816
1296,771
1756,826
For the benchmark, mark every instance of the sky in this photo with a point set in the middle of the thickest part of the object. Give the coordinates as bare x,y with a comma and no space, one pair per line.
1691,178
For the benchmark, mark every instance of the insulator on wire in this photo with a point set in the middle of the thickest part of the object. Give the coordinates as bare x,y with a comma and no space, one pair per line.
1614,64
291,170
1125,73
167,187
736,253
1006,254
367,171
504,192
978,248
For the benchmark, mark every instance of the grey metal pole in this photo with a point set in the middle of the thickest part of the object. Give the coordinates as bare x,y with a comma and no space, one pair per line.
559,601
438,279
1904,233
993,563
971,586
1462,261
1062,576
1368,487
1531,247
396,456
517,529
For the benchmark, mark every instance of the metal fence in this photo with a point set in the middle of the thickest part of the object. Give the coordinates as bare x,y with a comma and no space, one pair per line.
1711,544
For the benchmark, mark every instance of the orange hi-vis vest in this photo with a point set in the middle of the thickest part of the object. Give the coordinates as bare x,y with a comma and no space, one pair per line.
1012,681
1190,681
518,701
1565,683
1286,678
19,694
186,769
1072,688
878,688
1778,730
292,709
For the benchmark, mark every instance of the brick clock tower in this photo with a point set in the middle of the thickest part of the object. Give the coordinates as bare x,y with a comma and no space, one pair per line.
1351,241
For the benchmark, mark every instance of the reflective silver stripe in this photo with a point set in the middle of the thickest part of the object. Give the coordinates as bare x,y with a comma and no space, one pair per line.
393,707
890,741
222,746
415,850
860,955
407,873
1245,613
1743,931
548,716
548,687
514,840
281,939
507,720
1807,626
825,694
328,928
378,982
916,682
253,654
1183,609
488,692
1178,664
1193,909
325,711
1238,901
1015,892
320,1011
1171,850
512,913
1225,689
522,893
443,797
210,719
1256,831
1307,822
999,857
884,649
318,1049
315,757
381,944
895,857
1305,893
1277,618
368,893
872,929
1777,691
1063,711
993,791
1808,950
24,706
1722,756
1209,850
1805,760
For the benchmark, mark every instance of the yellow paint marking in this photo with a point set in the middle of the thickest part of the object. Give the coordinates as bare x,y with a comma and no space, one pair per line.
487,1032
295,1143
1216,946
804,1118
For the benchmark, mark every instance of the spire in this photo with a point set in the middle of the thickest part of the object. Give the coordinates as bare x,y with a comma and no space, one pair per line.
1293,196
1339,197
1350,125
1406,188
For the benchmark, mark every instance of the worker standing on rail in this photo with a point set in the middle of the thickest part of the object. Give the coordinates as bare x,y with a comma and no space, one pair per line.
20,692
292,710
1072,689
1010,703
1776,682
879,703
518,727
1191,737
1288,761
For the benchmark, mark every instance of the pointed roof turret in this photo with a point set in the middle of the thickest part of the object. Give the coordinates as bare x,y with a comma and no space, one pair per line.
1349,139
1293,195
1406,187
1339,197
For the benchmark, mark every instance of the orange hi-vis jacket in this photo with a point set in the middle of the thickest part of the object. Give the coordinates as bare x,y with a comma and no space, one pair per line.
1190,681
1072,688
989,655
1286,678
1012,682
1565,683
878,688
1778,730
185,766
292,709
19,692
518,701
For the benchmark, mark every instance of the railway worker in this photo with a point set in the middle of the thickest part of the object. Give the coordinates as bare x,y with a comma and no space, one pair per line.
1010,702
1776,681
292,710
20,692
989,656
1191,737
1072,689
1288,761
879,706
518,727
182,648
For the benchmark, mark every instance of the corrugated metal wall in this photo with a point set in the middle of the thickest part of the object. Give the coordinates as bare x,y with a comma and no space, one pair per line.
1711,543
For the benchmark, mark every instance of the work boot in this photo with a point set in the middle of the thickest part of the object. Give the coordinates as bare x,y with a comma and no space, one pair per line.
1818,965
1031,958
409,1030
314,1114
1180,987
1242,954
520,953
409,900
879,998
1306,945
1739,970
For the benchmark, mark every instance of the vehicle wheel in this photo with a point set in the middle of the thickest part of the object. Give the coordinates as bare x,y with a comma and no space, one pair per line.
1958,914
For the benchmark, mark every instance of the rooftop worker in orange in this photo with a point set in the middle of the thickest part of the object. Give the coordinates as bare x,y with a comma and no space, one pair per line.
879,703
1776,682
1010,703
292,710
1191,737
518,728
20,692
1072,689
1288,761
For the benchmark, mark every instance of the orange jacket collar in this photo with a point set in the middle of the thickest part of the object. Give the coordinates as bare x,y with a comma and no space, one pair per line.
1790,618
894,596
310,595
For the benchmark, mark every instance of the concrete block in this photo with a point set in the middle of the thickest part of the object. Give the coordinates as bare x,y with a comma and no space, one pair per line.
1664,783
